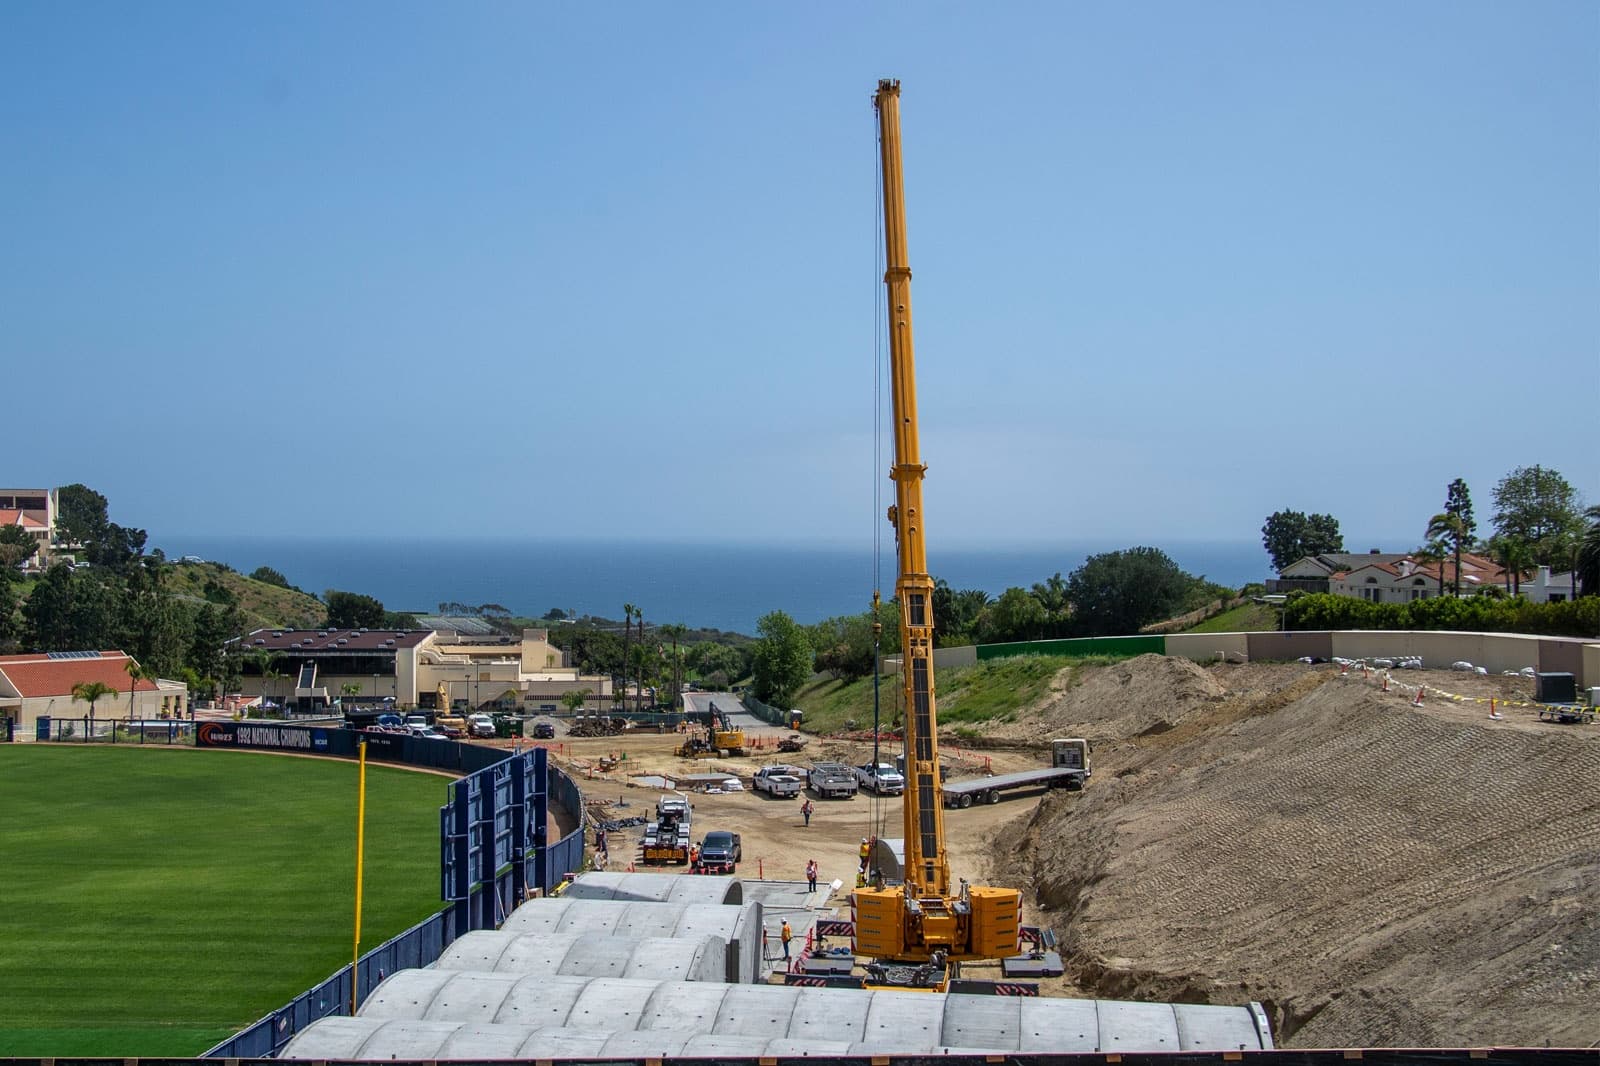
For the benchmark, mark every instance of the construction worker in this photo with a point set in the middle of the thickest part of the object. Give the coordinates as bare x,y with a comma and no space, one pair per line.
788,935
866,852
811,874
694,858
805,811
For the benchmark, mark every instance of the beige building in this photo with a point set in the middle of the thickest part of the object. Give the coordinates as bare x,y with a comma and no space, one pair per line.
41,684
307,670
35,511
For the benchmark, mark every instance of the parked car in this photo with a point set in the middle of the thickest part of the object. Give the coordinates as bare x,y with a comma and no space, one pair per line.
882,778
481,725
720,852
777,781
544,731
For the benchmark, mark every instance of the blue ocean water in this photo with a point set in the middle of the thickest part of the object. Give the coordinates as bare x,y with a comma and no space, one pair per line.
703,585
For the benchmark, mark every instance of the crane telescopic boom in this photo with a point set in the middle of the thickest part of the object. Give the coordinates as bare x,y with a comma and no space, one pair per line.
920,920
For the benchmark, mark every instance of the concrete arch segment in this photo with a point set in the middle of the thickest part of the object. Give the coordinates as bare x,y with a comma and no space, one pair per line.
655,888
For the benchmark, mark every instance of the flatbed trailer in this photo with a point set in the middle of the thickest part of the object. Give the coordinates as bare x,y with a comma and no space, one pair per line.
988,789
1071,771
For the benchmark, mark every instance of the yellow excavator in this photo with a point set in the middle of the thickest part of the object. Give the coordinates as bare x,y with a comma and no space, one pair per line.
917,933
719,739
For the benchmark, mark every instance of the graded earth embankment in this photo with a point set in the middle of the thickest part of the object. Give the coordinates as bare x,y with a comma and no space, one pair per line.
1377,874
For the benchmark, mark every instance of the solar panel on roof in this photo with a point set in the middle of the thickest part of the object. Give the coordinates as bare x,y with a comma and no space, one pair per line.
72,655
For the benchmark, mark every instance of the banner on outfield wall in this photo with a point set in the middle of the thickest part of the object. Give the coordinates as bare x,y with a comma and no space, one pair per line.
270,737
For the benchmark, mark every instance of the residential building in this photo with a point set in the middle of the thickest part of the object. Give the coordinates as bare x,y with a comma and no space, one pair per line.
1545,587
1388,578
1314,573
41,684
35,511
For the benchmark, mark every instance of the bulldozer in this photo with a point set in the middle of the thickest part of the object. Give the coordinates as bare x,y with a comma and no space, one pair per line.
792,742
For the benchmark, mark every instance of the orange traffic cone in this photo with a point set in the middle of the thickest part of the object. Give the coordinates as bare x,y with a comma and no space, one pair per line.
1417,700
1494,712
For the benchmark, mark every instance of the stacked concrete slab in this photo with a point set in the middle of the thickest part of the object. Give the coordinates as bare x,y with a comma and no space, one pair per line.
627,966
464,1016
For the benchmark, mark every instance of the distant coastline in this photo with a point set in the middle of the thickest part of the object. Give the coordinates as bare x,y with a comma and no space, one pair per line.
712,585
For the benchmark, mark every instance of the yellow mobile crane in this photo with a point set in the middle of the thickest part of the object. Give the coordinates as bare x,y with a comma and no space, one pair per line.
916,931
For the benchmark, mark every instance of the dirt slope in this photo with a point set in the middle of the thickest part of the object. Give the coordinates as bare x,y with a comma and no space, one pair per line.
1377,874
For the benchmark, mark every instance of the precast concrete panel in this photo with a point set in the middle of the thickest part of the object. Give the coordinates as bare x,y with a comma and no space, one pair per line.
832,1014
655,888
593,916
720,1045
807,1047
537,916
670,959
1126,1026
1061,1025
477,1041
982,1021
1204,1028
331,1038
543,1000
471,997
481,950
683,1006
404,994
611,1003
760,1010
562,1043
409,1039
648,1043
649,919
530,952
904,1019
602,956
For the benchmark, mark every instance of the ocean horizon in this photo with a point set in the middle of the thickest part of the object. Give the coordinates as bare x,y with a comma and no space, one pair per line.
717,586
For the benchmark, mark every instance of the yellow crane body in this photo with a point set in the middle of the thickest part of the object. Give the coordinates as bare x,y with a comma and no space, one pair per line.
922,919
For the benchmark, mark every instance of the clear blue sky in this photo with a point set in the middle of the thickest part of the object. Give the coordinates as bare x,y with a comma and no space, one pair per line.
539,269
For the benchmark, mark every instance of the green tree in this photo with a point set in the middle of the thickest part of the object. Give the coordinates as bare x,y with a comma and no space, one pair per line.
844,645
1016,615
719,665
1450,530
1539,507
73,611
1292,535
266,663
574,699
1513,556
91,692
1589,556
17,546
1052,596
955,614
782,660
270,576
627,640
1458,502
1434,553
136,673
352,610
80,515
350,688
1119,592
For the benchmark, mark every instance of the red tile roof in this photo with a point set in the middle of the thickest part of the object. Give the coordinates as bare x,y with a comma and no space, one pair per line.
39,675
14,517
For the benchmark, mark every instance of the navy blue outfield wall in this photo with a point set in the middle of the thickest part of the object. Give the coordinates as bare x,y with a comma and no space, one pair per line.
493,847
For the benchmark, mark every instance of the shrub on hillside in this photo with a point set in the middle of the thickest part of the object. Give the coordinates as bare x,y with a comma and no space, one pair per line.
1580,618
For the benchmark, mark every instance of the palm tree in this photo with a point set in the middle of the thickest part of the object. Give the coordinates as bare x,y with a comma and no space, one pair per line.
1432,554
136,674
352,688
675,631
1589,556
267,661
1449,529
627,635
89,692
1513,555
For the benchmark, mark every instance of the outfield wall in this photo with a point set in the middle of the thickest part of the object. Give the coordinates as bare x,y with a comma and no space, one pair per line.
493,847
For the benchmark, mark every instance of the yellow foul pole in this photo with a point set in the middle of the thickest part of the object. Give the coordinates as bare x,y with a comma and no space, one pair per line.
361,847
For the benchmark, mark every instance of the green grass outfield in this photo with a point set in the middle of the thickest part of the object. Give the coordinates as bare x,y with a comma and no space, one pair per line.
154,901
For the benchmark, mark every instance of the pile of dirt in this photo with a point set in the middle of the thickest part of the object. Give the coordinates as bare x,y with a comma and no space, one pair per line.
1145,695
1376,874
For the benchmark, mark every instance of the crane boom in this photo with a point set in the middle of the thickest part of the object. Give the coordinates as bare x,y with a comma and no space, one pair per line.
926,866
920,921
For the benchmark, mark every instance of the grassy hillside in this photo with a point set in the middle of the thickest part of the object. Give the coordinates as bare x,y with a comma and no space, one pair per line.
1245,618
261,604
965,695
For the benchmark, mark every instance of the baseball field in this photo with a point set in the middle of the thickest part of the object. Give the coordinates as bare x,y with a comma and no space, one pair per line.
156,900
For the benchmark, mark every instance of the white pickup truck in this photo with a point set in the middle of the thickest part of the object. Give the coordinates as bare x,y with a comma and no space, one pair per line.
882,778
780,781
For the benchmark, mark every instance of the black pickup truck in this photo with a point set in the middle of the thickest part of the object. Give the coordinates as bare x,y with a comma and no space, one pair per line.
720,852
